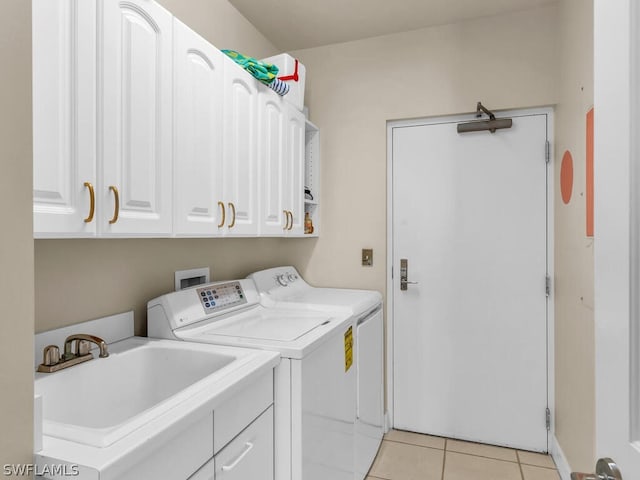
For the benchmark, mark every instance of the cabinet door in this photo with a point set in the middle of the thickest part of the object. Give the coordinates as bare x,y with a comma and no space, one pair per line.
197,125
294,169
250,454
135,136
239,165
64,149
271,162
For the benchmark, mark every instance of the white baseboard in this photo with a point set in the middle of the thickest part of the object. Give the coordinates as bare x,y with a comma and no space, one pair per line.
561,461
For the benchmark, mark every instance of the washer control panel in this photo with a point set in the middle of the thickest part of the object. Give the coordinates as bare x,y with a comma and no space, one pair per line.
286,278
220,296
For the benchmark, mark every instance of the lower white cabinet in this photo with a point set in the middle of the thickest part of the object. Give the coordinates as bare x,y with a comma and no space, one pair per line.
250,454
207,472
243,434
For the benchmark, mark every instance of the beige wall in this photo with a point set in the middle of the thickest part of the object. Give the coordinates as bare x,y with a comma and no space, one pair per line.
354,88
16,244
221,24
574,287
78,280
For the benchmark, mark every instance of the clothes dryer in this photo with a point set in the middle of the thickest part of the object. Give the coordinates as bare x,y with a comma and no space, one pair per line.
284,288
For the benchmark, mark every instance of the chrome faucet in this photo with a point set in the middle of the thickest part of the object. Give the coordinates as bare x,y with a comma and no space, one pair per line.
82,345
82,352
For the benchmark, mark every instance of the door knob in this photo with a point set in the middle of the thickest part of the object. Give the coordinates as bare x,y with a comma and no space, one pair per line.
606,469
404,275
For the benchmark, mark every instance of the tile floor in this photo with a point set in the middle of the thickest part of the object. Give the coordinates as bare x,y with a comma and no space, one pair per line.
411,456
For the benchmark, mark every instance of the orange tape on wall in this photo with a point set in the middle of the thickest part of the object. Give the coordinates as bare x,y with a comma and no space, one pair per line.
589,171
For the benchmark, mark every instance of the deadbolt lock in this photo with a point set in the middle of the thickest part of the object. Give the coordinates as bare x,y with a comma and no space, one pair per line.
404,275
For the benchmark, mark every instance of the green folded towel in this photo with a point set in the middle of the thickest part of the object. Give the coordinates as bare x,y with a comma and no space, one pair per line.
265,72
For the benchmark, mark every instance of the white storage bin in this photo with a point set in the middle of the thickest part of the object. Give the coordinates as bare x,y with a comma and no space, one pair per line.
294,75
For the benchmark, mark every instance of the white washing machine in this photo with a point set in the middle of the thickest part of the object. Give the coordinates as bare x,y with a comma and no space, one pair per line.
283,288
314,385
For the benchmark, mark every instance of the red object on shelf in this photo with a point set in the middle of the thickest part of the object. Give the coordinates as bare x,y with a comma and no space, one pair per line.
293,77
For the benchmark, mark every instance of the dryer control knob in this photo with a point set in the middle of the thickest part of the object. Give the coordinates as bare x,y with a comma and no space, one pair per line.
282,280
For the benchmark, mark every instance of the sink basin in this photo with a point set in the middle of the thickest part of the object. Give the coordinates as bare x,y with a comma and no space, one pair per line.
98,402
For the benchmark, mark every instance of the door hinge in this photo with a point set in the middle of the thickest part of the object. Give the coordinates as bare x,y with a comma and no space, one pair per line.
547,285
548,418
547,151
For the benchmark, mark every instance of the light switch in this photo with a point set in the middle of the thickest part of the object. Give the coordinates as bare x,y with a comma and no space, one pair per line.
367,257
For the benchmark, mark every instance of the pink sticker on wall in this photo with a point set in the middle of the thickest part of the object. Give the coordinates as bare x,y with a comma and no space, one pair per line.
566,177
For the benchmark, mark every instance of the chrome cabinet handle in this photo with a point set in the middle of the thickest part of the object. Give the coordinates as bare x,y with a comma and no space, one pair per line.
286,220
224,215
92,204
116,210
248,447
233,210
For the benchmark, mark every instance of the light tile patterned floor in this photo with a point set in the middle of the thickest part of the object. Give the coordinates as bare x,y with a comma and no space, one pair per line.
411,456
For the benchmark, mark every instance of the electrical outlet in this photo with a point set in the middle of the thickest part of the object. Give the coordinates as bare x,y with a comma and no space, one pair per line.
367,257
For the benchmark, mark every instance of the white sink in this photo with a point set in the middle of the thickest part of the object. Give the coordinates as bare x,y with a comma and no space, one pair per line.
99,402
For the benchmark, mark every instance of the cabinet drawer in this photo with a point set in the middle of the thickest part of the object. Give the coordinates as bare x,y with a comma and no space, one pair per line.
250,454
206,472
234,414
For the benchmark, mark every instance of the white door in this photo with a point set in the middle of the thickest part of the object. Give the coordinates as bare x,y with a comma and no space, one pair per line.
271,161
135,136
64,118
470,337
198,110
240,139
617,247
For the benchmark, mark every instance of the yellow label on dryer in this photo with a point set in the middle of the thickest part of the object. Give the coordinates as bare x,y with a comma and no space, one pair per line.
348,349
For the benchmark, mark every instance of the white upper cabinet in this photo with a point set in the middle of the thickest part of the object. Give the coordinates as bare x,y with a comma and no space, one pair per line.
198,111
142,128
135,118
240,139
293,189
281,163
64,118
271,162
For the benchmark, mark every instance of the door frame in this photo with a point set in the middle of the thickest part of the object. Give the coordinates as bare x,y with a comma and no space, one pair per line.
391,125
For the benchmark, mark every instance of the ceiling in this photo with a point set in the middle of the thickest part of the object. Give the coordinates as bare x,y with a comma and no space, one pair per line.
296,24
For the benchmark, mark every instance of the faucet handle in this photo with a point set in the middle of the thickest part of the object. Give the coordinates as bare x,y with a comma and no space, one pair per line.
51,355
82,347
